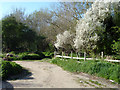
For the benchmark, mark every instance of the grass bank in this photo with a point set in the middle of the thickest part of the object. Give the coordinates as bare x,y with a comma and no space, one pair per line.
9,69
99,68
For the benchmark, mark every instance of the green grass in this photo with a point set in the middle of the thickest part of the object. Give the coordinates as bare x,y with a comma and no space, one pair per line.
99,68
9,69
95,82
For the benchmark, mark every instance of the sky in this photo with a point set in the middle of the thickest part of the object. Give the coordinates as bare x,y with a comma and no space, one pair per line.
7,7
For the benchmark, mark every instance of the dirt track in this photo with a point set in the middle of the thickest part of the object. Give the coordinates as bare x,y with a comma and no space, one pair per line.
46,75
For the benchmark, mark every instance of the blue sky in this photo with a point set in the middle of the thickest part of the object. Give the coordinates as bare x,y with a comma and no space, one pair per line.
7,7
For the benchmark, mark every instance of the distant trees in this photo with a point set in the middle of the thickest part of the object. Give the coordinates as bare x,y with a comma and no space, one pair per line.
16,36
69,26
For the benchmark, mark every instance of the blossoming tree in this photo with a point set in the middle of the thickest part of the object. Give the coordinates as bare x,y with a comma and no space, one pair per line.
64,41
89,27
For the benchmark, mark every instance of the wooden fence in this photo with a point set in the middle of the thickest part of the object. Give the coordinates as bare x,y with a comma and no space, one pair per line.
83,58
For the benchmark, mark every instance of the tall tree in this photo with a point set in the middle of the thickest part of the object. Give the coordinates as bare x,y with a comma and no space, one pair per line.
16,36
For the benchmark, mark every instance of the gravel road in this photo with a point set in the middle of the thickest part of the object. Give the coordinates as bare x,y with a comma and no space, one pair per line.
46,75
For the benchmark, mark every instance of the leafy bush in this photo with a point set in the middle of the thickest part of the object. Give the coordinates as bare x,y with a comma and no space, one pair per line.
2,55
9,68
48,54
116,47
33,57
117,57
27,56
96,67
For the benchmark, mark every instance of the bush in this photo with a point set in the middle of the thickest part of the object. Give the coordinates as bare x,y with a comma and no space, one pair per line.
2,55
9,69
27,56
95,67
116,57
33,57
116,47
48,54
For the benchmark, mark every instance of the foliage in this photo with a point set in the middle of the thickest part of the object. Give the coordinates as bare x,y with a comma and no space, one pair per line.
27,56
64,41
50,48
2,55
66,15
116,57
16,36
116,47
9,68
98,25
90,25
33,57
99,68
48,54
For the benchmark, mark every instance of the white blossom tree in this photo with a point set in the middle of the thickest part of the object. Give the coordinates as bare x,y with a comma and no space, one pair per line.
88,27
91,24
64,41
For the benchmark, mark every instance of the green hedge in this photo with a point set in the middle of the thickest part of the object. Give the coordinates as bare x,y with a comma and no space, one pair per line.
27,56
33,57
9,68
99,68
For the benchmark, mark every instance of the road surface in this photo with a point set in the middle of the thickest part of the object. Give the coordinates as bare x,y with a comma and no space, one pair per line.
46,75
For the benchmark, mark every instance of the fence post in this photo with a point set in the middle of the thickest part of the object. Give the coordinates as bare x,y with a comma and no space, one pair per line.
71,55
77,54
102,55
62,54
84,56
54,54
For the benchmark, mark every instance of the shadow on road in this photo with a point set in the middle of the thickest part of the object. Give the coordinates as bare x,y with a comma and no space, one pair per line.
7,86
24,75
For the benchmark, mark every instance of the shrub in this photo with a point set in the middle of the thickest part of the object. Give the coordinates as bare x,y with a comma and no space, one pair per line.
116,46
9,69
48,54
33,56
117,57
27,56
2,55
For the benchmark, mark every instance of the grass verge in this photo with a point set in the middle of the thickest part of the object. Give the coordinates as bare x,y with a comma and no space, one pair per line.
9,69
99,68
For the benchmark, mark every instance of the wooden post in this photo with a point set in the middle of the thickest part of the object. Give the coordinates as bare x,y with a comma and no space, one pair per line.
102,55
54,54
62,54
71,55
77,54
84,56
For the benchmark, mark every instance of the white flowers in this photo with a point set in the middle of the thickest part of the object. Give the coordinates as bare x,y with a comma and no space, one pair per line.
63,39
87,27
86,30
